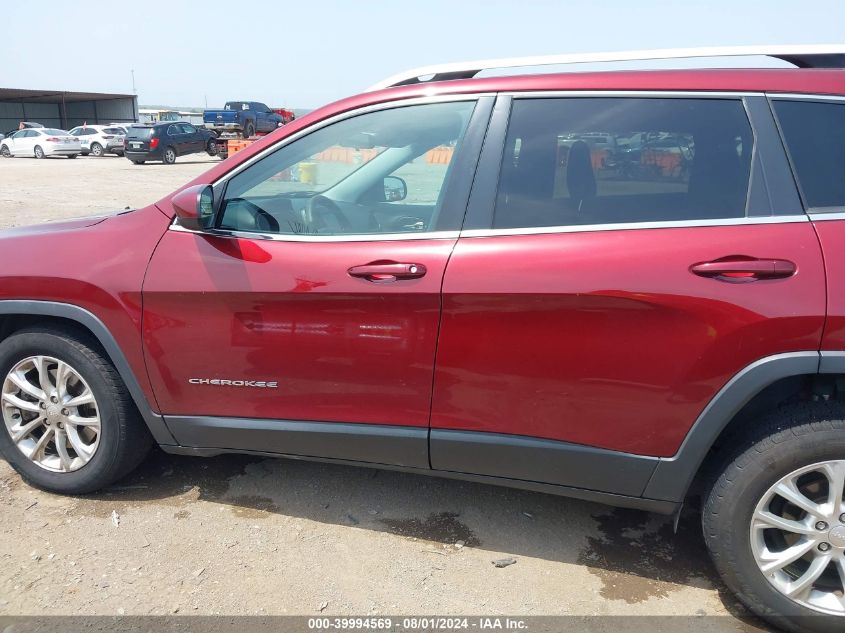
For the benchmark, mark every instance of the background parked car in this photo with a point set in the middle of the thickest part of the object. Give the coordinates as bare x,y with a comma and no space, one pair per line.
100,140
41,142
243,117
166,141
23,125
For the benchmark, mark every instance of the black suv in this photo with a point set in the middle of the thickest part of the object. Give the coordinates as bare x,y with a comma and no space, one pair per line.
166,141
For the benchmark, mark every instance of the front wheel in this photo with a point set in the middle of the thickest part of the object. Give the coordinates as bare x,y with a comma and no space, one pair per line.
72,155
4,152
169,156
39,153
211,147
69,424
774,520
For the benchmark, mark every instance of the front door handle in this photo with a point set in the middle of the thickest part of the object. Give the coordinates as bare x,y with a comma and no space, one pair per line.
383,272
744,269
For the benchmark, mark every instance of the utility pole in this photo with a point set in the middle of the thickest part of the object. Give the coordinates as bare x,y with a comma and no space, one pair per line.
134,92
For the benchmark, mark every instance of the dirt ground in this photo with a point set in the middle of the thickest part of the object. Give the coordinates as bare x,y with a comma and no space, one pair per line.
236,535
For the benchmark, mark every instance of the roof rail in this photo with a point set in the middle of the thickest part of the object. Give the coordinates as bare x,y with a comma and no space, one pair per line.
802,56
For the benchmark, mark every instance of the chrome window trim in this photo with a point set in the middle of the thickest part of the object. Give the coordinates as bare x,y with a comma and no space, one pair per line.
658,94
628,226
835,213
803,97
282,237
348,114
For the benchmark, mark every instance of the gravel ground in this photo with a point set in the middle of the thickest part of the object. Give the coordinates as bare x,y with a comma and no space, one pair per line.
236,535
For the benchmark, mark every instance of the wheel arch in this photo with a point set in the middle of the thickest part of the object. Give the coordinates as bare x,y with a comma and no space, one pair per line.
19,314
760,386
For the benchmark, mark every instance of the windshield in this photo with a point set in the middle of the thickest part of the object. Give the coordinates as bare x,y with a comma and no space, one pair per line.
140,132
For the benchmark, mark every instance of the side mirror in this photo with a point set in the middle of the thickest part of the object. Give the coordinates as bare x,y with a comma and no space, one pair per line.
395,189
194,207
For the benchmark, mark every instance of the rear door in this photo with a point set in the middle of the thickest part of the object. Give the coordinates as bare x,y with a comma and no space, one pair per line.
176,137
305,319
601,294
193,141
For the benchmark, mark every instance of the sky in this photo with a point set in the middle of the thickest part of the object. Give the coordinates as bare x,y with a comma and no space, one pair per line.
305,54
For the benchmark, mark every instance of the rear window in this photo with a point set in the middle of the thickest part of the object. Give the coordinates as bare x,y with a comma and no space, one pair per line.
236,105
571,161
140,132
815,138
113,130
49,131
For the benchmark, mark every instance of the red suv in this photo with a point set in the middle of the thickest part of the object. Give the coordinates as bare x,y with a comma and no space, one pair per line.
610,286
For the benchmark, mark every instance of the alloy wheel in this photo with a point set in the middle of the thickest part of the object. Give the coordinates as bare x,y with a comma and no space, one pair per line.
51,413
798,536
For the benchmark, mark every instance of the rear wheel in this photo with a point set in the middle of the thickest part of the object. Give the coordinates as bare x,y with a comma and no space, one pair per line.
169,156
39,153
69,424
97,149
774,520
249,130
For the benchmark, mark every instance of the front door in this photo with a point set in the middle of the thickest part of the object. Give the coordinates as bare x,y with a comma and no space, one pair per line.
624,271
313,302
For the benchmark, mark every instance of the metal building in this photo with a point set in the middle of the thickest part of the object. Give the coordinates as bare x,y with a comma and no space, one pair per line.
64,110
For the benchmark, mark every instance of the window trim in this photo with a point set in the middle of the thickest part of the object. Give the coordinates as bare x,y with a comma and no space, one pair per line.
473,138
630,226
832,99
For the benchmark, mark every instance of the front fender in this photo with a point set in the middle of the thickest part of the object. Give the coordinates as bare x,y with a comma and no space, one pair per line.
89,321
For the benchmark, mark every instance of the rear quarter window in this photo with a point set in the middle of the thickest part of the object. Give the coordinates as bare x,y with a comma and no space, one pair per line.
814,134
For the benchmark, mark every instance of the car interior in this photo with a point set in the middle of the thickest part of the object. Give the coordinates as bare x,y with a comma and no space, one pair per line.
271,197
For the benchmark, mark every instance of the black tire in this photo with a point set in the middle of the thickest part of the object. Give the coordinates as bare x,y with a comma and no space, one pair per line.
211,147
781,442
249,130
124,438
138,162
72,155
168,157
4,152
97,150
38,152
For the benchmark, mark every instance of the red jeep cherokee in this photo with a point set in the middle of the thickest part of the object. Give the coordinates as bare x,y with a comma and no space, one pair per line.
601,285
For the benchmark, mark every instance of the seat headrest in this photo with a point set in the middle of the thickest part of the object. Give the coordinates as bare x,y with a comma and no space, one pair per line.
580,179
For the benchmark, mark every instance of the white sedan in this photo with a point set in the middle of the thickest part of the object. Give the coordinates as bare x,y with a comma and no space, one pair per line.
40,142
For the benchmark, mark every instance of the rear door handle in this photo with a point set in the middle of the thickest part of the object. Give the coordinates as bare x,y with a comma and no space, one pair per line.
382,272
744,269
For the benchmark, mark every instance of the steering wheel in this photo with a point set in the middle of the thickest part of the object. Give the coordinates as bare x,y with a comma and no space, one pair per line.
319,206
263,220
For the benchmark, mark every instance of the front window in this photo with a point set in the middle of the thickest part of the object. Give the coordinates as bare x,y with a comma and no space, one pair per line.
382,172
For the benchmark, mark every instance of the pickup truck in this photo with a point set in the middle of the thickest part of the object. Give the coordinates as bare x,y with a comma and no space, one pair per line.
244,118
